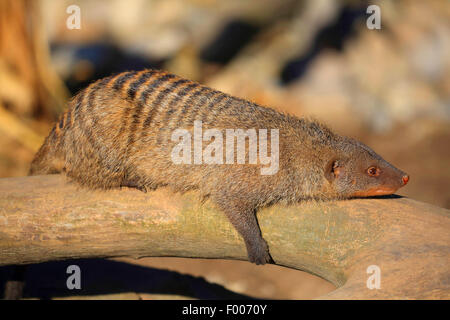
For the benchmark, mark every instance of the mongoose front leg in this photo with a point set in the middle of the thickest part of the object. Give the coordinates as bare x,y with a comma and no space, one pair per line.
243,218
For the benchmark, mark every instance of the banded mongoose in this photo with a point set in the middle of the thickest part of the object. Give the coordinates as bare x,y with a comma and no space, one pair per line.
118,132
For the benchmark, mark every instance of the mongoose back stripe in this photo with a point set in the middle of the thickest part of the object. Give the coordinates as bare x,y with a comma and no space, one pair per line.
199,103
121,80
180,93
164,95
145,95
173,104
190,104
142,101
212,107
88,130
134,86
218,97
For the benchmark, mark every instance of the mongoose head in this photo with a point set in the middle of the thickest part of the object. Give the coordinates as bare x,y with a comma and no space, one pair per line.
357,171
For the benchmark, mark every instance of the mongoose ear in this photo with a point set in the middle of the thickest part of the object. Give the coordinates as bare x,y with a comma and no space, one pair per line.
332,170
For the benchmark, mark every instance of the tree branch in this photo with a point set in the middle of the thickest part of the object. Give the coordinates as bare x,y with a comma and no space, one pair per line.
46,218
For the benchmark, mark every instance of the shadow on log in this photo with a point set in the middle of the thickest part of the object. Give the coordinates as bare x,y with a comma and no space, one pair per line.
46,218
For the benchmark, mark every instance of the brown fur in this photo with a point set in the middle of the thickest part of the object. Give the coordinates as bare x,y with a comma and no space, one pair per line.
117,133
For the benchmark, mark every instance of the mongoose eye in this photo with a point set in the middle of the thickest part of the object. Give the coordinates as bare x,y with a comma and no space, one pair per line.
373,171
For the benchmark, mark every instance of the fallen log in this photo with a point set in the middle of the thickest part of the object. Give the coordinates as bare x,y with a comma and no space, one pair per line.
45,218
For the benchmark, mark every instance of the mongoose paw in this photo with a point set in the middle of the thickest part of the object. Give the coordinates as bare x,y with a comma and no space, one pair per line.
259,253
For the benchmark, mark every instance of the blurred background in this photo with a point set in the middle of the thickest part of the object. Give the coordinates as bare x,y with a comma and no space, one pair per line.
389,88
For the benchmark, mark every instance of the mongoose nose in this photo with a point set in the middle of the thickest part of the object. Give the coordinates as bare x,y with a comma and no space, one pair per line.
405,179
